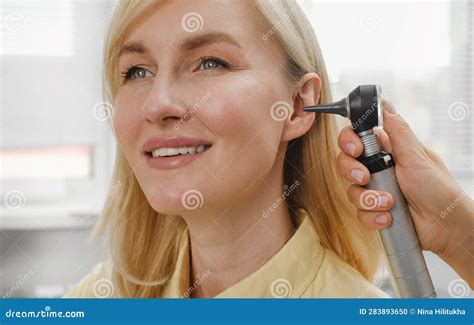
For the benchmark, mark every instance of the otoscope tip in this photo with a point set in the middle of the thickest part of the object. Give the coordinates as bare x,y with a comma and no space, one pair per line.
338,107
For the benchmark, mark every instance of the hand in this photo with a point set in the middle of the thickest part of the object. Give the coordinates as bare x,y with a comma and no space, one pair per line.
442,212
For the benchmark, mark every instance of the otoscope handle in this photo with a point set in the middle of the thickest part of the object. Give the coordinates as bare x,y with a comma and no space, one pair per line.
410,276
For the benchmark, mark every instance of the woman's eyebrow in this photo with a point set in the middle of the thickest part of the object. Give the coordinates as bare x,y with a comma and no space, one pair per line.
189,44
133,47
194,42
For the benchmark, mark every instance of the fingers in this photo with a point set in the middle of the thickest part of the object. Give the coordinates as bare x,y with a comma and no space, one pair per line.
396,138
349,142
369,200
372,206
384,140
402,139
352,169
374,220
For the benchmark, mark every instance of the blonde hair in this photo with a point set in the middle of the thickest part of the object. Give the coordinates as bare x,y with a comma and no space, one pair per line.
144,243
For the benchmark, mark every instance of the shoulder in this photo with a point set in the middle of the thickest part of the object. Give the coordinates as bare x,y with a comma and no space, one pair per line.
96,284
337,279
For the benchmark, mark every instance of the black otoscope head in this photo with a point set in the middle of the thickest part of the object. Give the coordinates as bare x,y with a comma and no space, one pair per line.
362,106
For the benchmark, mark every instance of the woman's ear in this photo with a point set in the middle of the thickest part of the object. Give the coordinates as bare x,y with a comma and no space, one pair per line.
307,93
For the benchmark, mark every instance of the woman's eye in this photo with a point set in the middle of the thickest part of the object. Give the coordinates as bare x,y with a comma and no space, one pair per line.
135,73
212,63
206,63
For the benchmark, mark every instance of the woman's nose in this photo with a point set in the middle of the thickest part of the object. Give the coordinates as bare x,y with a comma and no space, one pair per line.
163,105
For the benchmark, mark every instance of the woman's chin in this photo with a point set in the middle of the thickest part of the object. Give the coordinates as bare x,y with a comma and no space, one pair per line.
177,203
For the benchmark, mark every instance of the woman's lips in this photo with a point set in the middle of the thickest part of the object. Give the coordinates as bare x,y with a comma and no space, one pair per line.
172,162
172,142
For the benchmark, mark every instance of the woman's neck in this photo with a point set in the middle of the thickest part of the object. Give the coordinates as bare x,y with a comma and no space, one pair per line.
237,242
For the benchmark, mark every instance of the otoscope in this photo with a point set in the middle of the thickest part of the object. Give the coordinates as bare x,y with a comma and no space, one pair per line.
410,276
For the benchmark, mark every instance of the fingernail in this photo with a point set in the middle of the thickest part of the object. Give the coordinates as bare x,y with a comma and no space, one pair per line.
357,175
351,148
382,201
381,219
388,105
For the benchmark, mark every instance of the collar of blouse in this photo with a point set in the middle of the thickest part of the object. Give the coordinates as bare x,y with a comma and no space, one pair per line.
286,275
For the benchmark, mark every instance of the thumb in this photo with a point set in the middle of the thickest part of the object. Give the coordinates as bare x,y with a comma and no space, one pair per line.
404,142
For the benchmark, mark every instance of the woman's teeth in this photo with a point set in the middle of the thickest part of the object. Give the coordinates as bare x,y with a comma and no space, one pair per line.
165,152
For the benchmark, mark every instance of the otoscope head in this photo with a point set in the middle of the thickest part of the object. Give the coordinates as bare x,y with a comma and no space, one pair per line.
362,106
365,107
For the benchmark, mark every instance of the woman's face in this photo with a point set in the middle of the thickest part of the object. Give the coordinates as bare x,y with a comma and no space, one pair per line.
201,70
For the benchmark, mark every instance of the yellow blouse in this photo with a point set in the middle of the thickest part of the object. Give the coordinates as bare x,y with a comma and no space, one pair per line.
302,268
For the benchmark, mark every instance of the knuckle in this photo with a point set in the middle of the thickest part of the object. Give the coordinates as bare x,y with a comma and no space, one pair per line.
350,194
361,214
342,138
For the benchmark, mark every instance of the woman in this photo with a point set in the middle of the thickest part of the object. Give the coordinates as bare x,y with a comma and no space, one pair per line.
225,187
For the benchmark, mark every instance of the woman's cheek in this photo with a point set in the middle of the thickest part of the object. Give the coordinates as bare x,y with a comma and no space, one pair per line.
247,136
126,120
233,106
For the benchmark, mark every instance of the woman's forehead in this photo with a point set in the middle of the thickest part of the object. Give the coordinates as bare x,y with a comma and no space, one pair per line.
175,23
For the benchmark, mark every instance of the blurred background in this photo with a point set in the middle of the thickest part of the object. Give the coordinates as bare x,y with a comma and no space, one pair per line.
57,150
